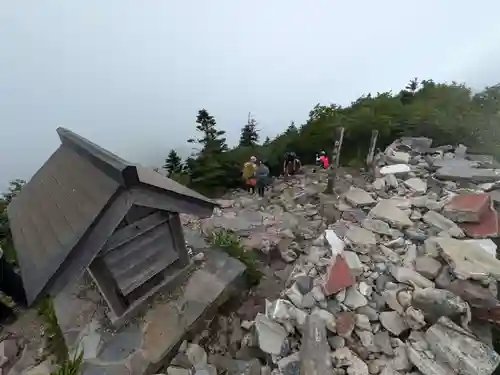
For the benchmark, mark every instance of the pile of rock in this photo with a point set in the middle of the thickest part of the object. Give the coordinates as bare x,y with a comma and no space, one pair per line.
404,282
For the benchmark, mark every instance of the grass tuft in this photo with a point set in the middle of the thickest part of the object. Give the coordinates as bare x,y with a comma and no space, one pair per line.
55,341
231,244
71,366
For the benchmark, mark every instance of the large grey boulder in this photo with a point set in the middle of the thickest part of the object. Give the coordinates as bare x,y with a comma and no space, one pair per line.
460,349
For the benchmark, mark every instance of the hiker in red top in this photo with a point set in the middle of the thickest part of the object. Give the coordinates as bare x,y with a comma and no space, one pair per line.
323,159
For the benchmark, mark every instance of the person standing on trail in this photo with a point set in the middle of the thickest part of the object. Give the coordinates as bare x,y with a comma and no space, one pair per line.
291,164
262,178
323,159
249,174
10,284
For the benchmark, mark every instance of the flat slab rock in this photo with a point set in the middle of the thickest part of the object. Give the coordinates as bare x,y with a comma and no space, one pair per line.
389,212
358,197
395,169
439,222
468,260
362,239
468,173
146,343
460,350
416,184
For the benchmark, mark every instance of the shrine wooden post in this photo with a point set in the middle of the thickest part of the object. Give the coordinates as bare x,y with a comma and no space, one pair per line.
371,151
332,171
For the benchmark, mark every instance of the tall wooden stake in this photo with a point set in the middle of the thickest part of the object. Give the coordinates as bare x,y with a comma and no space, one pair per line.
341,140
332,171
371,151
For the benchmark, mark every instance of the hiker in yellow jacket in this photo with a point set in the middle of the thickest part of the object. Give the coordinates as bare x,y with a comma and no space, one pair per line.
249,174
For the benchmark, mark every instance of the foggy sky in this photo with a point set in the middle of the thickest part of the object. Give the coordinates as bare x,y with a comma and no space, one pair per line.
131,75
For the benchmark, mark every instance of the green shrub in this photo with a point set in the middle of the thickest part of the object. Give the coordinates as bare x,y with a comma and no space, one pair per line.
231,244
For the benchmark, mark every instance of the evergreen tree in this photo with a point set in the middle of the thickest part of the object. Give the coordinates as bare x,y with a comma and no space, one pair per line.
173,162
208,169
267,141
249,136
292,128
412,86
212,141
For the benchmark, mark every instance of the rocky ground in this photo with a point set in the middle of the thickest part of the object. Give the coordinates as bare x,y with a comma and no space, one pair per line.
391,275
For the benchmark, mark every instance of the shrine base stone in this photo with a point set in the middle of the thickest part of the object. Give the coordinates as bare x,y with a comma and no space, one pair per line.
148,342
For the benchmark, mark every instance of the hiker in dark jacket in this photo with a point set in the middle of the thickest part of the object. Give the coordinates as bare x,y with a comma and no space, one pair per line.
262,177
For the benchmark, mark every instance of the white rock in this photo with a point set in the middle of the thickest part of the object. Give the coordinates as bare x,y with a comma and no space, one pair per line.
270,335
396,169
486,244
365,289
336,244
354,298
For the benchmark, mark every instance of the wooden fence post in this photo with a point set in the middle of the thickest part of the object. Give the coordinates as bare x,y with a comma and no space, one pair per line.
371,151
332,170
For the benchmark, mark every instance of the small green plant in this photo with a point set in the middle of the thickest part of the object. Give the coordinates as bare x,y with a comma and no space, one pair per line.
70,366
231,244
55,339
